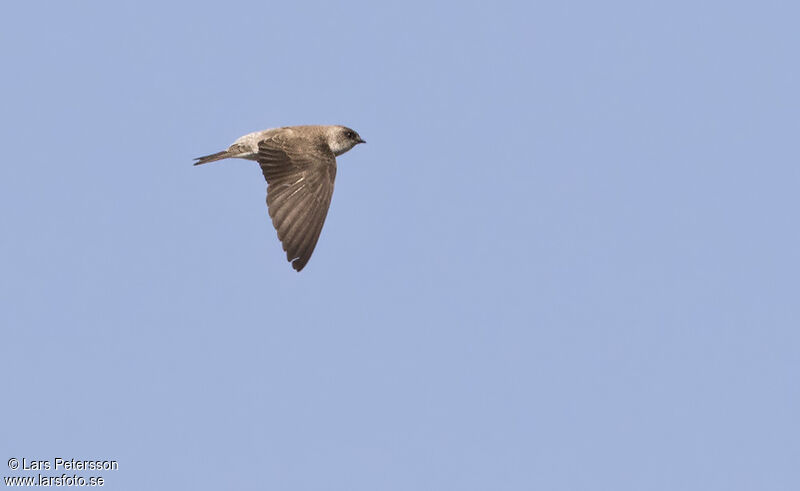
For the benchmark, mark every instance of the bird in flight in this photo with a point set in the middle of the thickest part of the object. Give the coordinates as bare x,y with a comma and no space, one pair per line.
299,164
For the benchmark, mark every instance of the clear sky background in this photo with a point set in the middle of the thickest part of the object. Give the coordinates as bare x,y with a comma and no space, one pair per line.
567,259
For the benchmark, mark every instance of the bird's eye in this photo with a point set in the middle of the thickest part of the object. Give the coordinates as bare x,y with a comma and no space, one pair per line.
351,134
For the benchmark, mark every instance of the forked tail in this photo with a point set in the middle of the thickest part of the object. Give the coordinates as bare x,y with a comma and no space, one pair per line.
213,157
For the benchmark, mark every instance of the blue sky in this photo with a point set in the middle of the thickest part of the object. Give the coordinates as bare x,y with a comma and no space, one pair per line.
568,257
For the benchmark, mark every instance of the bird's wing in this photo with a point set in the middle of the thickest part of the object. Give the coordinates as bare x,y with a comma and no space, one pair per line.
300,175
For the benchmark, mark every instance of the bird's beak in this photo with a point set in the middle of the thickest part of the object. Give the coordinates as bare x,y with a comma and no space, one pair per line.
360,140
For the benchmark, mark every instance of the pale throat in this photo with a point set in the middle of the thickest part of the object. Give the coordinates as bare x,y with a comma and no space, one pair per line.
339,147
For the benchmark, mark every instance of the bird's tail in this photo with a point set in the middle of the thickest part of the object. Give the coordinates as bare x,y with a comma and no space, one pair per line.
213,157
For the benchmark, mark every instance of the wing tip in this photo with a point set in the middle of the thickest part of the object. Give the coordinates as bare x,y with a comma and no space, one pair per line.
299,263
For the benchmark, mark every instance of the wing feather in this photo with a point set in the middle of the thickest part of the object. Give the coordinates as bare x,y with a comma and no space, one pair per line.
300,173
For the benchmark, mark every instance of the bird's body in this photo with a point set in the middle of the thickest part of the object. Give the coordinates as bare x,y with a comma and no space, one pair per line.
299,164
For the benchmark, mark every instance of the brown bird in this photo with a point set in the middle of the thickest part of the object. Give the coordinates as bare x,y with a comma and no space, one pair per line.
299,163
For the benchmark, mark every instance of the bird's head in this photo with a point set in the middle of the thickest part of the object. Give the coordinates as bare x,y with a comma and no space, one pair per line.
342,139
